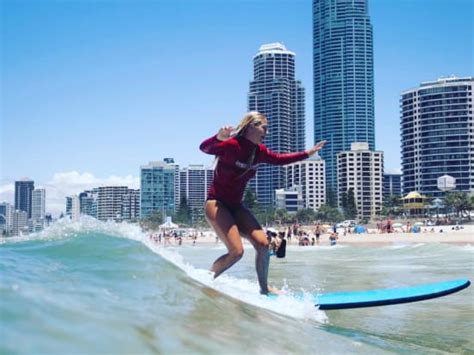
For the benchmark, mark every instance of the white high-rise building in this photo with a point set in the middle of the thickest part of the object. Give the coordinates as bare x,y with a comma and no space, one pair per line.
20,222
194,184
362,170
309,174
75,208
437,135
290,199
109,202
275,92
38,204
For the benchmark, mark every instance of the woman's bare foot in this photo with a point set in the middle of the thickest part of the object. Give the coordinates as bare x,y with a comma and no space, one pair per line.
275,291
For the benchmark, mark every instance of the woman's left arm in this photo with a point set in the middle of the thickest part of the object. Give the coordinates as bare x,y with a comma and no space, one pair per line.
288,158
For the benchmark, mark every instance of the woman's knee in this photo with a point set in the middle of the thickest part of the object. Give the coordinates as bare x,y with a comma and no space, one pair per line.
262,244
236,253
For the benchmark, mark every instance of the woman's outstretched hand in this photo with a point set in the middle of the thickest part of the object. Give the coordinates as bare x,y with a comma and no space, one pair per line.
224,133
316,148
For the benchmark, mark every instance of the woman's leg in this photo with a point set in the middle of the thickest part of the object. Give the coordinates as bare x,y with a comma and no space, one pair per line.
251,229
221,219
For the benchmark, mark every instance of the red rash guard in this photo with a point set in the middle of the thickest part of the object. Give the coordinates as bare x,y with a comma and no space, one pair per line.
233,170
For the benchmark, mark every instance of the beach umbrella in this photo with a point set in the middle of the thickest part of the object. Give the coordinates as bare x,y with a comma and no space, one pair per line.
359,229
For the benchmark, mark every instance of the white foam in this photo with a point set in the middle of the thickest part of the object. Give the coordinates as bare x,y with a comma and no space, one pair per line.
65,228
245,290
240,289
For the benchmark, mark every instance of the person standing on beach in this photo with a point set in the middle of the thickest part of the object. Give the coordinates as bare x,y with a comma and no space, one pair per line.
317,232
239,151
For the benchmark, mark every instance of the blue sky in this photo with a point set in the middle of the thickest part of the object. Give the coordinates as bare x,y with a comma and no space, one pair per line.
98,88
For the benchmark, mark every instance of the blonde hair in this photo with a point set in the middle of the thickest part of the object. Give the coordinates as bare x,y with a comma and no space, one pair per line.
249,118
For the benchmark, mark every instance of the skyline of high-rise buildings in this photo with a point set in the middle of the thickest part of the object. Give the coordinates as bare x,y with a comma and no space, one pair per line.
275,92
431,122
343,74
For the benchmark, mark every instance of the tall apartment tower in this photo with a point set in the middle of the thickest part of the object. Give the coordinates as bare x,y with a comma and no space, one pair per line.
109,202
275,93
309,174
23,195
437,135
131,205
157,188
343,78
195,181
38,205
88,202
361,170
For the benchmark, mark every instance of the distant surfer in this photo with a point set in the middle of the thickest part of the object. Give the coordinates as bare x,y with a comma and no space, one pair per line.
239,151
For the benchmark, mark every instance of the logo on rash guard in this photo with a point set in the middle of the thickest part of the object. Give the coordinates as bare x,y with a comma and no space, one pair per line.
246,166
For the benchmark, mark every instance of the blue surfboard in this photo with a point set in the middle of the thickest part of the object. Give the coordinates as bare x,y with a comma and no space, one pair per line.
389,296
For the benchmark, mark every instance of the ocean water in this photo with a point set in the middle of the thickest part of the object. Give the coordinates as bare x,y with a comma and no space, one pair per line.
91,287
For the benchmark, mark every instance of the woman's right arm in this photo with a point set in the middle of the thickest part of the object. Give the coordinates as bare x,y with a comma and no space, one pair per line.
215,145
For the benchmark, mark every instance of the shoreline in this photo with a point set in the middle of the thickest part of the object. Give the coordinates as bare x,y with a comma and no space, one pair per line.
463,236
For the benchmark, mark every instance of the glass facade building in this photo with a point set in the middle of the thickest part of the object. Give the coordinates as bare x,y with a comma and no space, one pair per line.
437,135
392,185
343,78
24,195
157,189
275,93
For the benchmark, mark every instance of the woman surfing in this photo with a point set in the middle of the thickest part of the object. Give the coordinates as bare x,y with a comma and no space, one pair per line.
239,152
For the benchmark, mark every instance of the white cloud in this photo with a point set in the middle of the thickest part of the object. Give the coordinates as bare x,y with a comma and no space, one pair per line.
70,183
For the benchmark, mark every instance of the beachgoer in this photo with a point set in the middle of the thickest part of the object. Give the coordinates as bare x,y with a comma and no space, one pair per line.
281,250
317,232
239,152
333,237
272,242
389,225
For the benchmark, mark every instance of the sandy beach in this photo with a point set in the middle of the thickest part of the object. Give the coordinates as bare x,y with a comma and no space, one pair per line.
437,234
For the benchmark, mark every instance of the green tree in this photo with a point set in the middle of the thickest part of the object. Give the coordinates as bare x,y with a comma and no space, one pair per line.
264,215
306,215
282,216
249,199
184,212
392,206
350,211
331,197
329,214
392,201
459,201
344,200
153,220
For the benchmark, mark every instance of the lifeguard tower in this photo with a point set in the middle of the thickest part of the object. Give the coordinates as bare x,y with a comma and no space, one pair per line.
414,204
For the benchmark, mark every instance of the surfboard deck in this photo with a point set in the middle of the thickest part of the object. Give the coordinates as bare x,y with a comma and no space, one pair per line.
384,297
